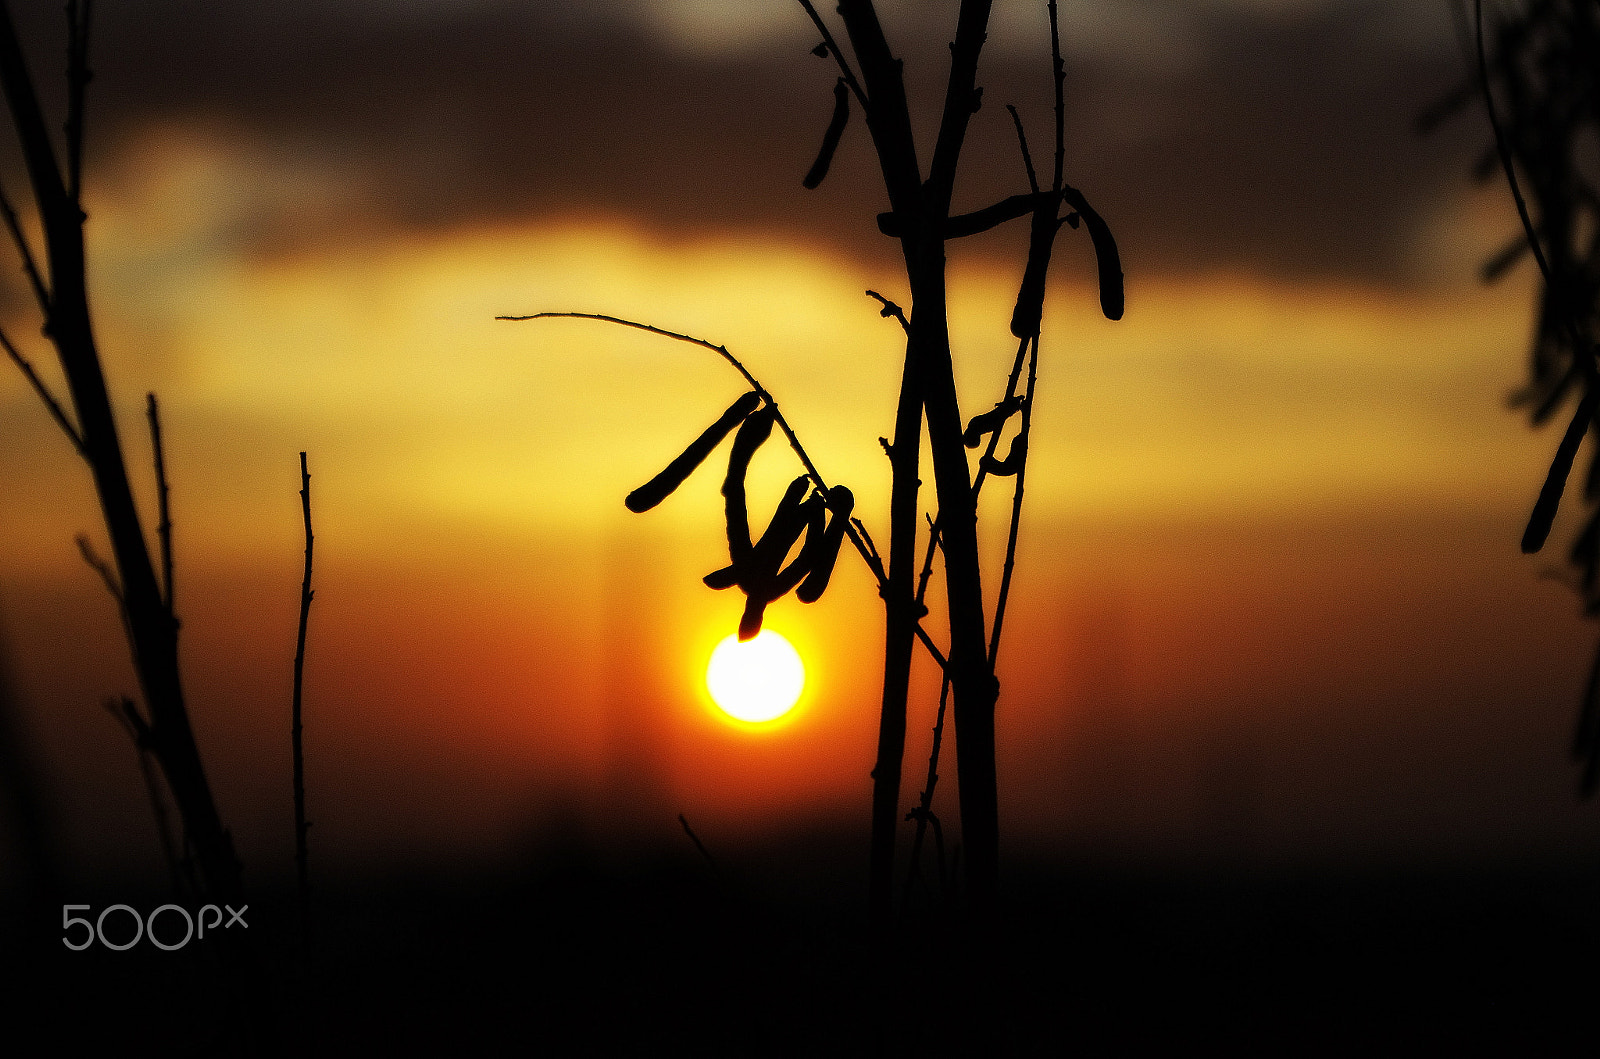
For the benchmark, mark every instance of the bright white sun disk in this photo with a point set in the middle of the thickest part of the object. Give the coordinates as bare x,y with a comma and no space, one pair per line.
758,680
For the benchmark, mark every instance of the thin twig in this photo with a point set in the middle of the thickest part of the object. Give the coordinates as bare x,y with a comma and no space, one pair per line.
1016,507
78,77
101,567
1060,70
56,411
30,268
699,845
833,47
854,530
1022,140
979,478
109,578
301,825
127,715
891,309
163,512
1501,145
923,814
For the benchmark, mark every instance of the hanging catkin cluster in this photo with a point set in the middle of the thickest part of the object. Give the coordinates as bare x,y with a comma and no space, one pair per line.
757,567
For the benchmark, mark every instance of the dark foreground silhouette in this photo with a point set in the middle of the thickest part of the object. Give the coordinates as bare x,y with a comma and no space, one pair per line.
580,952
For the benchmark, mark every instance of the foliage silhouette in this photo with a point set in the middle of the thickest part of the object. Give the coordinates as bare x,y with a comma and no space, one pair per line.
1537,73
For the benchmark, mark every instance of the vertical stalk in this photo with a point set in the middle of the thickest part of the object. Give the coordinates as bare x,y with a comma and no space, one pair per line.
300,824
923,209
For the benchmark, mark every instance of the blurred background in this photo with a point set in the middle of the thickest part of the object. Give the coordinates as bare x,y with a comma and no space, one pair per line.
1270,606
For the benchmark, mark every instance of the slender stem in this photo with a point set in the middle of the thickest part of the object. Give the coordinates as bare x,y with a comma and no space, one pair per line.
301,826
1501,145
78,76
833,49
56,411
977,479
1016,507
1060,70
923,814
164,516
30,268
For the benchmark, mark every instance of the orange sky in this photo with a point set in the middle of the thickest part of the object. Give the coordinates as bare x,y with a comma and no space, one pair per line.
1270,603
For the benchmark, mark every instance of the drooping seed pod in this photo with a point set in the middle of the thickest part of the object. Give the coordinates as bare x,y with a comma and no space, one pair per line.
830,138
755,430
788,521
1105,252
990,421
759,574
815,510
841,503
726,577
1029,309
1015,458
1544,509
662,485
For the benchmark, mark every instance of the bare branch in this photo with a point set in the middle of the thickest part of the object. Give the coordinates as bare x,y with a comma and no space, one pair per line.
56,411
1027,159
855,531
164,516
832,47
891,309
965,224
1059,68
1020,447
301,825
1501,145
100,567
29,267
78,78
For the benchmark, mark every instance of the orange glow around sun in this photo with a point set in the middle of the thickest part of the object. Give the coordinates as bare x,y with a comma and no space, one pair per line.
756,681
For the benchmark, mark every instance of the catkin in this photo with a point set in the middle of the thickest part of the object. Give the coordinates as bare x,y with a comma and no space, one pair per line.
842,502
830,138
662,485
755,430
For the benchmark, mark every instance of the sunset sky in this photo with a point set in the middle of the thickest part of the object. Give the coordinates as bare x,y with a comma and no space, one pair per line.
1270,602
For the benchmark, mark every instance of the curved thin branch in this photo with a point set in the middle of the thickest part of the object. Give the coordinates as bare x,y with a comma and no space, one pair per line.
855,531
30,268
56,411
1501,147
833,47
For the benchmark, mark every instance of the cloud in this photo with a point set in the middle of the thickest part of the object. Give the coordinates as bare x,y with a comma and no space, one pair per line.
1229,135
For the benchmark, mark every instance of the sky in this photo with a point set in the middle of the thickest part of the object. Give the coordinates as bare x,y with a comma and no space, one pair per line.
1271,606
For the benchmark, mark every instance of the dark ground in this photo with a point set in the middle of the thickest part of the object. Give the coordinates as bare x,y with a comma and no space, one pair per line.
578,954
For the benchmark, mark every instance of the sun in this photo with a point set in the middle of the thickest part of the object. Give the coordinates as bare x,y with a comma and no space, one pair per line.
756,681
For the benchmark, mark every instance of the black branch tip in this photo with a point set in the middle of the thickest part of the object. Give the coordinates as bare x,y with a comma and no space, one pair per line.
830,138
662,485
